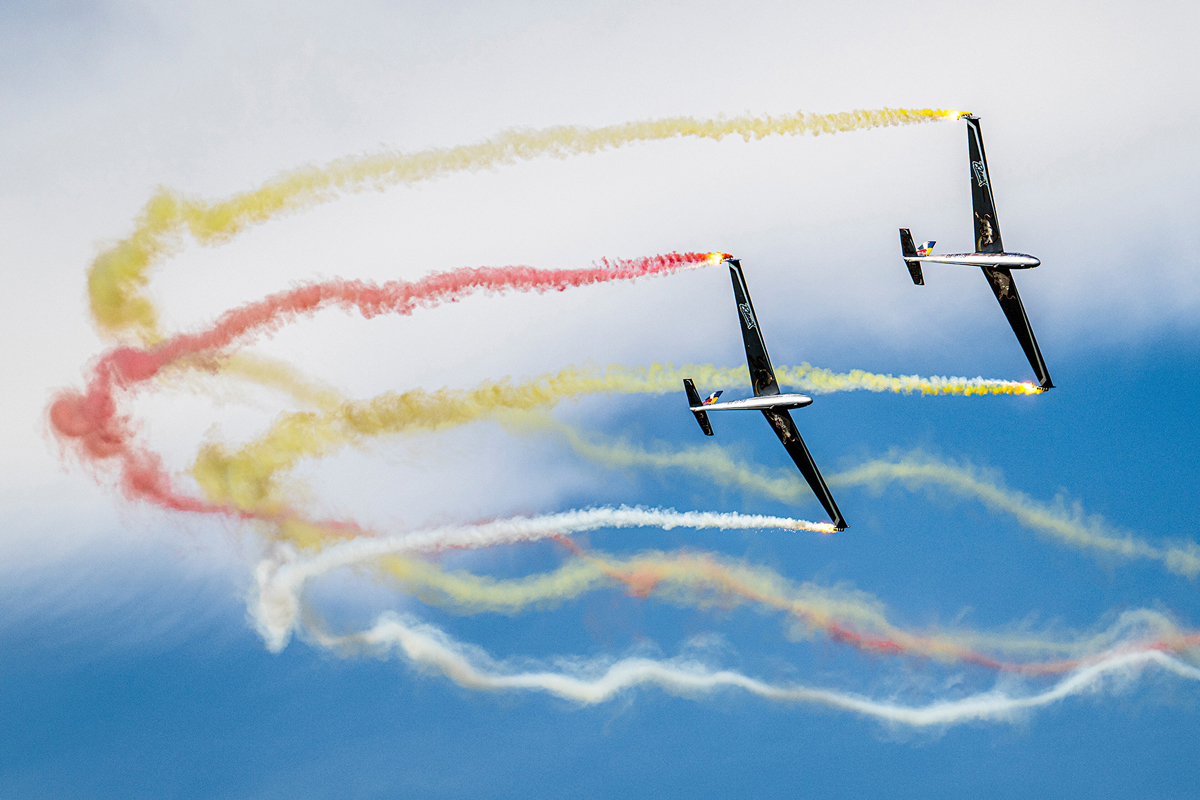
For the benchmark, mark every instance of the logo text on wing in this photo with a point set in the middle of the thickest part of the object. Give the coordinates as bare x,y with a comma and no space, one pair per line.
980,173
746,315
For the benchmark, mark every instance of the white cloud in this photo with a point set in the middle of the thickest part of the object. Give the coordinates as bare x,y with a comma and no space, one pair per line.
1087,113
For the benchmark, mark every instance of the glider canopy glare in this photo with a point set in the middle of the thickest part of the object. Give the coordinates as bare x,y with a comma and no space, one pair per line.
989,255
767,397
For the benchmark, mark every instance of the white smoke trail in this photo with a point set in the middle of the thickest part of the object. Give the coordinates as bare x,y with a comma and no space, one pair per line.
275,607
598,681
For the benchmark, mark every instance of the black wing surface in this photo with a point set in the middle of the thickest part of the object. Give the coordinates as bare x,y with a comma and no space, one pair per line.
785,429
762,374
987,226
1005,289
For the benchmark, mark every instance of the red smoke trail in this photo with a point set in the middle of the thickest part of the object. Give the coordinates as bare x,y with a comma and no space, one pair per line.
641,583
91,424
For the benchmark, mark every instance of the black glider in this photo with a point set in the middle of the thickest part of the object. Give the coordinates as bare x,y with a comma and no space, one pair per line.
989,255
767,397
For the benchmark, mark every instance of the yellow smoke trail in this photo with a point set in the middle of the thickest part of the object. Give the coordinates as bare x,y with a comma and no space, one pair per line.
663,378
281,576
1066,525
706,581
119,274
913,470
817,380
714,462
697,580
701,581
245,477
282,377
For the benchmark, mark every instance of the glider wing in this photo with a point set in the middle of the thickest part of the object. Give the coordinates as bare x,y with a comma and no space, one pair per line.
785,429
1005,289
987,226
762,374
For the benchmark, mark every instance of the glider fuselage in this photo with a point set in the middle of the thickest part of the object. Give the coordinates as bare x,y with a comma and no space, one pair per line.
990,256
993,260
758,403
774,404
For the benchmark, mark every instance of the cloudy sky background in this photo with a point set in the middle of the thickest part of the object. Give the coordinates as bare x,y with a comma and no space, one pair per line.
1089,114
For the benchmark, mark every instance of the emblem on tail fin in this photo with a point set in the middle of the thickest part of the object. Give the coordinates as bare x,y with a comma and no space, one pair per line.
712,398
926,248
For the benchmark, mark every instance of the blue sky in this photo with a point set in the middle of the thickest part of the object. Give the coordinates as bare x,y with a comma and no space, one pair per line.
155,686
129,661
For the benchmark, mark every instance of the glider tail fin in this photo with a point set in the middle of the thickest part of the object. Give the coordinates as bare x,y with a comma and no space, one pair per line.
694,403
909,251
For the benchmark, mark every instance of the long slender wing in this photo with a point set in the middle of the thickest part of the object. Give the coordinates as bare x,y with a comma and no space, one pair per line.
762,374
987,225
1005,289
785,429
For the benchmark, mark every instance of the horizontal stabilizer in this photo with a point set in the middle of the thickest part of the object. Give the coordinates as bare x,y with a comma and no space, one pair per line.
909,251
693,403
